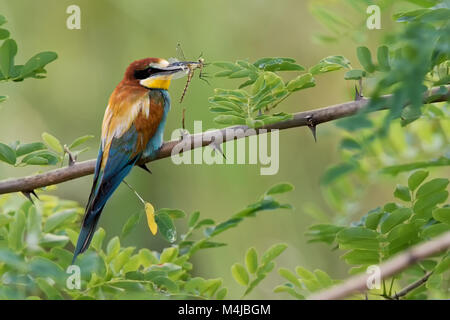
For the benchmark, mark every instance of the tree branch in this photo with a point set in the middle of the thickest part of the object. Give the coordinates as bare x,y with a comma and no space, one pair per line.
307,118
387,269
412,286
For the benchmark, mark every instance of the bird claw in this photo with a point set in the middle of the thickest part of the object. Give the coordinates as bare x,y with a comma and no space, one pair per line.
144,166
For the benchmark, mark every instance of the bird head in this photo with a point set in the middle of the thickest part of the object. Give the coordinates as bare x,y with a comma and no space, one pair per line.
155,73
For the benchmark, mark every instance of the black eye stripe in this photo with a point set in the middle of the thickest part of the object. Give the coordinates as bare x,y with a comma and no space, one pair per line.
145,73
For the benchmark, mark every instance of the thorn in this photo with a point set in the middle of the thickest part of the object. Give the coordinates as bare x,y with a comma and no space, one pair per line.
358,93
144,166
184,134
312,126
28,194
216,147
72,157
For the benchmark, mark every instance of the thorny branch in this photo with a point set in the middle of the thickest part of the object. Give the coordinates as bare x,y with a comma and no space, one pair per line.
310,119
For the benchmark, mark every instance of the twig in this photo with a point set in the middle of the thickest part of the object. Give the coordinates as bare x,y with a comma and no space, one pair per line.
412,286
299,119
387,269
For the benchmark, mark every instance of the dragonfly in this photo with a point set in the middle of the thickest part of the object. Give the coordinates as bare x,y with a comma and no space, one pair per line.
192,66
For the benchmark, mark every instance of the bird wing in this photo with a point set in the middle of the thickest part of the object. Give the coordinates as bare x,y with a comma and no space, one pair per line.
129,123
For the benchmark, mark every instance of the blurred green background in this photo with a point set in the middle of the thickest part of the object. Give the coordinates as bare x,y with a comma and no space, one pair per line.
72,100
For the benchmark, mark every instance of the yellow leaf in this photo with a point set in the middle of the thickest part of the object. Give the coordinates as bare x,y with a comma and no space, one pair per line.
150,212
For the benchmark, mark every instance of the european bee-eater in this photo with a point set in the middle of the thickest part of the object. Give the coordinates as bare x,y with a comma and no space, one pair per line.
132,128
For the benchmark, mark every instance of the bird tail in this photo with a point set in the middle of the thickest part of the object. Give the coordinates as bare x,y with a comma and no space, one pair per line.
87,231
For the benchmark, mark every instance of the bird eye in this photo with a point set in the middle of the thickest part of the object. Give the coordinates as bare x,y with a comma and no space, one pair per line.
145,73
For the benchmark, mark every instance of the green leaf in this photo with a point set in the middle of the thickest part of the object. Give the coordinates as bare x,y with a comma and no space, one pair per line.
383,58
423,205
73,236
272,253
365,58
4,34
43,267
8,51
147,258
358,238
402,193
113,248
303,81
278,64
13,260
16,232
372,219
442,214
354,74
289,290
240,274
323,233
193,218
37,63
204,222
251,260
166,226
230,120
7,154
132,264
121,259
79,141
323,278
443,266
173,213
52,142
280,188
221,294
394,170
336,171
58,219
434,230
43,157
416,179
290,276
50,240
358,256
329,64
29,147
395,218
304,273
168,255
226,65
221,227
2,20
432,186
97,239
401,236
130,224
50,292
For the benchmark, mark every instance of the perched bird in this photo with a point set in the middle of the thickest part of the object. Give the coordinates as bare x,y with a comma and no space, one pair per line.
132,128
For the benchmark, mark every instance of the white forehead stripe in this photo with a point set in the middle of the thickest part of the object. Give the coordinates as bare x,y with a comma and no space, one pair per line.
161,64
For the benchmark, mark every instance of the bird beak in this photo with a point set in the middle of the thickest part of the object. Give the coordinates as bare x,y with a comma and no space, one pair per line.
165,73
176,69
